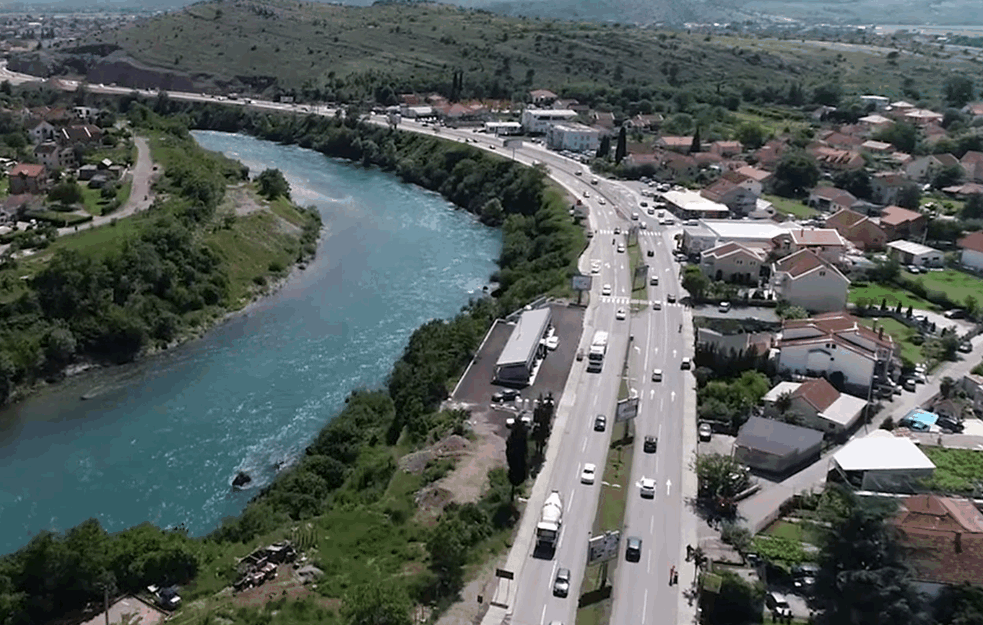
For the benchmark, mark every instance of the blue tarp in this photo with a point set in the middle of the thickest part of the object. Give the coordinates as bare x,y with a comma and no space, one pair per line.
919,420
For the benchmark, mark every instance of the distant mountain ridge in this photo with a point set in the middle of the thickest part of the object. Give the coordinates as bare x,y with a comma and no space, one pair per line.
644,12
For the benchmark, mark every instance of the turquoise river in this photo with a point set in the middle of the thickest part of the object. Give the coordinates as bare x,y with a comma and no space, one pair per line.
162,438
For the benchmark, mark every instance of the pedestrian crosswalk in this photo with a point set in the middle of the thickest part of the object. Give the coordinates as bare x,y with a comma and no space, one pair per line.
627,301
623,231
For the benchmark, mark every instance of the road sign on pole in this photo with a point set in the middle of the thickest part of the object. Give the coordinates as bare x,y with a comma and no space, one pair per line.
603,548
627,409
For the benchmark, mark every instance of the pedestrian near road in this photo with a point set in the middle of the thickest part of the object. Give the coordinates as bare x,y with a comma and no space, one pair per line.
672,574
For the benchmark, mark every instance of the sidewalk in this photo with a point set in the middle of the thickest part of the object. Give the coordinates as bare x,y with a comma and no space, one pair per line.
759,510
688,606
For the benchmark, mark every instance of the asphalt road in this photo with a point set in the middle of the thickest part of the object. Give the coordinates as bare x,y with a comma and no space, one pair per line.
641,591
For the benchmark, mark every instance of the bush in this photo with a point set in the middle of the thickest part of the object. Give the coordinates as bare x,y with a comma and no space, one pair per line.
737,536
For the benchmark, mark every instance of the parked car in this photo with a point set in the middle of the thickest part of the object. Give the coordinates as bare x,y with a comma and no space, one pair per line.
580,354
505,395
909,384
650,253
956,313
950,426
778,605
706,432
724,307
965,347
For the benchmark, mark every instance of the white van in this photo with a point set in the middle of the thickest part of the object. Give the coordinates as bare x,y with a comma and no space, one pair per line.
778,605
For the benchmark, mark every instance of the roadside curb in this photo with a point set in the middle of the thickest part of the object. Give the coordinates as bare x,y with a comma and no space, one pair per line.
688,608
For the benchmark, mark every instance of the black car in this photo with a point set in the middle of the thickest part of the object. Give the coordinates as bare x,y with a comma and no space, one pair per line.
650,444
561,585
671,298
600,423
633,550
650,252
950,426
507,395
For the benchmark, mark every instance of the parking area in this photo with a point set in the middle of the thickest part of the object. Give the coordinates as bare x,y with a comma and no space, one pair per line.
477,387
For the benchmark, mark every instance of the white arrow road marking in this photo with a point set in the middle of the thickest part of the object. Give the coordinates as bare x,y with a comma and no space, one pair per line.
638,349
673,353
652,395
668,486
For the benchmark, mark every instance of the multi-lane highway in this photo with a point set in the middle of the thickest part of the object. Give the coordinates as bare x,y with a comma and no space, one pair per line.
642,593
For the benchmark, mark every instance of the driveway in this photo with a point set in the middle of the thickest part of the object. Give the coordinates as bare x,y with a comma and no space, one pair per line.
140,193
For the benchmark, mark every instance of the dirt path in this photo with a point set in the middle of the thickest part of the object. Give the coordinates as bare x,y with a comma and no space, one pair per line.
470,478
140,198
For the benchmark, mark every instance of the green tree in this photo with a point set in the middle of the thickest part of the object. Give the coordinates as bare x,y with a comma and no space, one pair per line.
376,603
737,602
796,172
517,454
902,136
972,305
492,212
695,282
604,148
272,184
696,145
751,135
59,347
721,478
621,150
108,191
948,176
828,94
863,578
7,375
959,605
973,208
67,193
543,421
909,196
958,90
856,181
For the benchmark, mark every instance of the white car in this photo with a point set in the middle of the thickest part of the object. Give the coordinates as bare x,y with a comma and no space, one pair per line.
606,289
647,488
621,315
552,342
588,474
601,201
724,307
595,267
621,249
586,193
686,364
656,305
657,375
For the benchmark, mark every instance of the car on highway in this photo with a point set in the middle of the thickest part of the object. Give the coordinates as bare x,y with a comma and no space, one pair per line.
706,432
508,394
561,585
643,226
578,173
657,375
650,444
633,549
654,281
621,314
671,297
650,253
621,248
593,181
646,487
656,305
617,230
586,193
634,216
724,307
600,423
595,267
588,473
686,363
606,289
601,201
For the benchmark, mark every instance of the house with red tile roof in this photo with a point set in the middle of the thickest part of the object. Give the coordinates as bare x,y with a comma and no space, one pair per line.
972,163
734,262
818,404
675,144
737,198
826,242
542,97
726,148
771,153
858,229
28,178
831,199
807,280
836,159
925,167
943,537
839,140
901,223
835,346
972,250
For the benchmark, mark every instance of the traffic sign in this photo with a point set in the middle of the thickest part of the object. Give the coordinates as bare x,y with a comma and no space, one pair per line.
603,548
580,283
627,409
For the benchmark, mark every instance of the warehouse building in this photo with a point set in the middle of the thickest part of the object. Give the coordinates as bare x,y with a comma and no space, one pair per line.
881,462
776,447
516,363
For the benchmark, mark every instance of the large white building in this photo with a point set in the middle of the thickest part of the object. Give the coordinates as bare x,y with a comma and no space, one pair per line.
692,205
709,233
503,128
538,121
804,279
881,462
834,345
573,136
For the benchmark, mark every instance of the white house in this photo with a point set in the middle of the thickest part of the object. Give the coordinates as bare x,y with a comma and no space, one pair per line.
820,406
42,132
804,279
924,167
734,262
881,462
826,242
503,128
972,250
911,253
537,121
572,136
709,233
833,345
880,102
54,156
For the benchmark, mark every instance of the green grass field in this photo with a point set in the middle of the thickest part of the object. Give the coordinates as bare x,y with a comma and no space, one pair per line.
955,284
957,471
901,334
794,208
875,293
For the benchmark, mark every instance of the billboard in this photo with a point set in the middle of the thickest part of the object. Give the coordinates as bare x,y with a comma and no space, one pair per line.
627,409
603,548
512,143
580,283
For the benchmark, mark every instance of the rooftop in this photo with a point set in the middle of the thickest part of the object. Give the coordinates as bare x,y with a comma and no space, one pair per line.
895,215
844,410
801,263
881,451
776,437
816,236
729,248
693,201
525,336
910,247
972,241
739,229
131,611
818,393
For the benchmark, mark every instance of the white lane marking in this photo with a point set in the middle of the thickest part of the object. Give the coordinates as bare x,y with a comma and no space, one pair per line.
651,531
672,396
570,503
652,394
645,604
542,619
668,486
649,565
583,447
552,575
674,353
660,425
